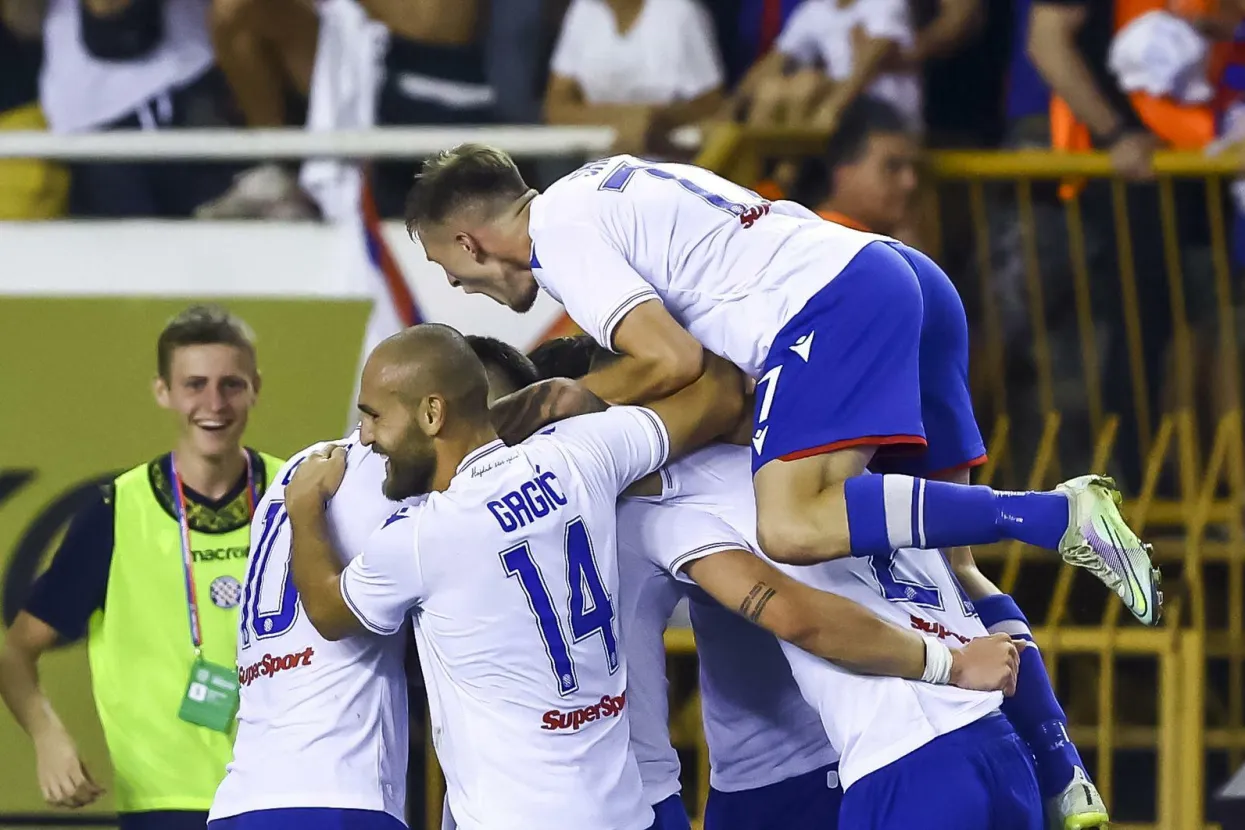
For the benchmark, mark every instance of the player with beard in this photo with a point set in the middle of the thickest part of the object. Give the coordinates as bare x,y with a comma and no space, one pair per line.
508,570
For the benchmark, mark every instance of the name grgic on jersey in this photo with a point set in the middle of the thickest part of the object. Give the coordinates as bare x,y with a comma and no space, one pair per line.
320,724
731,267
872,721
512,575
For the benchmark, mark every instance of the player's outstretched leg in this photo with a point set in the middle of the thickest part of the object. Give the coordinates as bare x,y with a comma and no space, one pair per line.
1071,798
843,380
1080,519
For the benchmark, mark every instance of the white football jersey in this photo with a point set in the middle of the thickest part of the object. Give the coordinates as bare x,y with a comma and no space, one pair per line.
647,596
758,727
872,721
512,575
731,267
321,724
655,542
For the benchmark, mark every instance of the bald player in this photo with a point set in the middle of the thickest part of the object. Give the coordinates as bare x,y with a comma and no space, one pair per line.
508,571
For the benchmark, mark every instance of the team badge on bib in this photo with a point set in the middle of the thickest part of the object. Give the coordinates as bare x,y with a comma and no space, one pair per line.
226,592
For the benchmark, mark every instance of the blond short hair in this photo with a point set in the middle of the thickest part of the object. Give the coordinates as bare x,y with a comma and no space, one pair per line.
467,177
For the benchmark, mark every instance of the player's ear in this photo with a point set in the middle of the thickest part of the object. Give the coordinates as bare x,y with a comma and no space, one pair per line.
160,390
471,245
432,416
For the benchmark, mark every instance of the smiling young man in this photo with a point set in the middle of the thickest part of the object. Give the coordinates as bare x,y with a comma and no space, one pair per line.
150,572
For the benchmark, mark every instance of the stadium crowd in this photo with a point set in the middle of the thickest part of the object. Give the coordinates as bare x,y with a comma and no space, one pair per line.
962,72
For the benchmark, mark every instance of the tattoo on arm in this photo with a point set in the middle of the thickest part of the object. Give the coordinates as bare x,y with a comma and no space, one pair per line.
755,602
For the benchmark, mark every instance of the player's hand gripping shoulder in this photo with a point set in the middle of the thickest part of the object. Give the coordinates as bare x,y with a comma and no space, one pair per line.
315,564
517,416
317,478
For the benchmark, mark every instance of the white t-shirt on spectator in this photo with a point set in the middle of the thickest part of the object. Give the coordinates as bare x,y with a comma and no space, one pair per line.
669,54
79,92
820,31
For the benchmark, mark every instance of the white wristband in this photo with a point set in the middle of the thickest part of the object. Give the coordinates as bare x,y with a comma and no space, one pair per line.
937,663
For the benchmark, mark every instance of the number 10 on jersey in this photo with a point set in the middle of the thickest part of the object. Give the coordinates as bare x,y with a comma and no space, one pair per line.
591,610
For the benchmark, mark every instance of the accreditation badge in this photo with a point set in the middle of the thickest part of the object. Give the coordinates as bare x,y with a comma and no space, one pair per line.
211,699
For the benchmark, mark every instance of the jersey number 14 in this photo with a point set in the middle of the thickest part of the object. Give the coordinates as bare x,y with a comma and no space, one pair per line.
591,610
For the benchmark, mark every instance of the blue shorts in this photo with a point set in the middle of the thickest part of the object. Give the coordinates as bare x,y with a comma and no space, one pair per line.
807,802
670,814
979,777
879,357
163,820
309,818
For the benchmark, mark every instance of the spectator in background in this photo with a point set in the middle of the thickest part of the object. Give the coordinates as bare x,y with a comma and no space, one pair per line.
29,188
151,573
868,174
130,64
1068,41
266,49
643,67
433,73
832,51
747,30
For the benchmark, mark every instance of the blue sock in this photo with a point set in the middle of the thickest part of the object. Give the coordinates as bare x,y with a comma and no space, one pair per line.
887,512
1033,710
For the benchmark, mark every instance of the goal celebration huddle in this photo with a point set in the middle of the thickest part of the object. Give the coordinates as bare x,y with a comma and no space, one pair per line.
768,415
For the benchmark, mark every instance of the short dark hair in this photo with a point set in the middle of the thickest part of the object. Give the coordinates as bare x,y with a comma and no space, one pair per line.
515,366
864,118
202,325
468,176
566,357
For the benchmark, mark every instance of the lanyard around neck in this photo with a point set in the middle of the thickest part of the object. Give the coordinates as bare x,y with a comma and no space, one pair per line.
183,521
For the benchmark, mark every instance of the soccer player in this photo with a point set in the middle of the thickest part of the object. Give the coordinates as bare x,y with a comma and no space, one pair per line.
891,732
772,766
510,571
864,180
858,345
322,725
1033,709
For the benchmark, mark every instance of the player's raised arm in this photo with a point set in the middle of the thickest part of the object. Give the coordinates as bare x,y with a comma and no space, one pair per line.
711,407
377,589
316,565
706,410
605,295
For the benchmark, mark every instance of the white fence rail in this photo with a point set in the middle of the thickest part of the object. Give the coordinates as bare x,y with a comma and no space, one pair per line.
289,144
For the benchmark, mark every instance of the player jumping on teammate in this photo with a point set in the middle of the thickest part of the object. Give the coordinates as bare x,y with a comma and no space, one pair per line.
858,344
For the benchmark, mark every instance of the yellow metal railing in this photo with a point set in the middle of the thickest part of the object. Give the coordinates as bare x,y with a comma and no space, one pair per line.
1190,496
1178,690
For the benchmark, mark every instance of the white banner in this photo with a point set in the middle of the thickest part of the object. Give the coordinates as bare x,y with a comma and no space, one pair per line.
242,259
